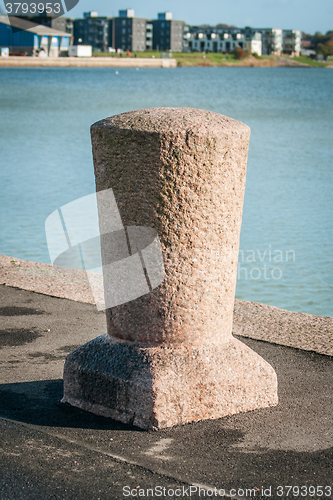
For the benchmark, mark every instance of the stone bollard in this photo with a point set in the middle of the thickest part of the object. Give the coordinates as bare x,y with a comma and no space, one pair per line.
169,357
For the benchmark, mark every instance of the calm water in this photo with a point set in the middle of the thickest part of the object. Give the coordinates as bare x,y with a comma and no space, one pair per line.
287,231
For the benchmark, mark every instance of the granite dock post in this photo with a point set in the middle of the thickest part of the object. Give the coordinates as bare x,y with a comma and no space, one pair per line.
169,356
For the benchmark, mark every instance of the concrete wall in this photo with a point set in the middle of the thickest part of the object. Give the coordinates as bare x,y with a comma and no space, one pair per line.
93,62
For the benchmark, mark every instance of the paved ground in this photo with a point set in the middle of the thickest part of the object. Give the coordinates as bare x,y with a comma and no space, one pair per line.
54,451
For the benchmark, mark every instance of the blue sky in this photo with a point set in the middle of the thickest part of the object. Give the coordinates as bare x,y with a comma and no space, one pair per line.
305,15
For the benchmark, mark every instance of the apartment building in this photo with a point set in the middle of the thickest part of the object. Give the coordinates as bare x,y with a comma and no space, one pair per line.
222,42
292,42
167,33
271,38
277,41
92,30
127,32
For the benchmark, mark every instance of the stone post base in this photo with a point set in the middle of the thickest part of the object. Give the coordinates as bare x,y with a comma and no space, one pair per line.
158,387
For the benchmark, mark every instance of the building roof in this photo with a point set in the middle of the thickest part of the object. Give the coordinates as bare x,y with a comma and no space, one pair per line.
24,25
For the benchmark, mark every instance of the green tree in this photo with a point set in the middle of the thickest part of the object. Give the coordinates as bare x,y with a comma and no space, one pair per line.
326,49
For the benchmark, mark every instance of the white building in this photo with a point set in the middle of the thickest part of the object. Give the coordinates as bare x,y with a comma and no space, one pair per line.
222,42
263,41
254,44
292,42
271,39
276,41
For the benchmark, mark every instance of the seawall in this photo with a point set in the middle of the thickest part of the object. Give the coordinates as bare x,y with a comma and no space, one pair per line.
89,62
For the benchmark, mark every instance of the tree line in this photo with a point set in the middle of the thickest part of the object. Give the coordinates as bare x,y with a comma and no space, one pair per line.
322,44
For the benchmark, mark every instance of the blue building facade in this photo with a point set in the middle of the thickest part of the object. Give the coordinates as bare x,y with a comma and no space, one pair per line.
21,37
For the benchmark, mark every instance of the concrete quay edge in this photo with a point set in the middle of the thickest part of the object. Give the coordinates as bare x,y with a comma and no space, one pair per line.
93,62
251,319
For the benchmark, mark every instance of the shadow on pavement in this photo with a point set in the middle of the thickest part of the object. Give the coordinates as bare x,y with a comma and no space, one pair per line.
38,403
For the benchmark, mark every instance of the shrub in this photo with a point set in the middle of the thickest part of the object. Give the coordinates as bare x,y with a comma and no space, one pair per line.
240,53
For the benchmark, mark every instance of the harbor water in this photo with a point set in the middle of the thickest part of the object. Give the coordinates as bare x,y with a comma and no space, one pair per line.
286,256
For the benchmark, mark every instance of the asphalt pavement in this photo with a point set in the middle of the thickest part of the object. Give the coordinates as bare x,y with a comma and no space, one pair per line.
54,451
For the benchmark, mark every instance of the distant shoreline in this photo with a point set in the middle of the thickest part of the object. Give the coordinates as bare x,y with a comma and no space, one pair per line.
140,62
81,62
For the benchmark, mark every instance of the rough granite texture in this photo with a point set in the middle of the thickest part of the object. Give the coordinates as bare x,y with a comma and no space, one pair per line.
58,281
293,329
182,172
158,387
251,319
169,356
